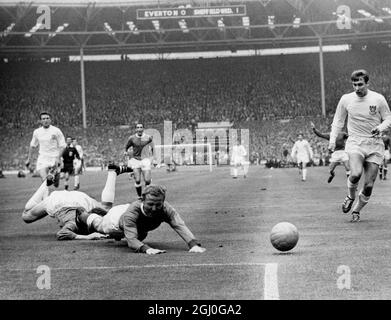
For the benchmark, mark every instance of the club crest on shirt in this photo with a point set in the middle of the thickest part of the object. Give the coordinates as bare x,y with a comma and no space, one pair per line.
372,110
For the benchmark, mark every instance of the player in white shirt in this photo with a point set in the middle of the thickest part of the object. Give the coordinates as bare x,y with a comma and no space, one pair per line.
302,154
368,117
238,159
78,163
63,205
51,144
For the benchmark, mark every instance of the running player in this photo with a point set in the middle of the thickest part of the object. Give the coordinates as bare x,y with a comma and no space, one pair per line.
383,167
302,154
368,117
51,143
68,156
339,156
238,160
143,153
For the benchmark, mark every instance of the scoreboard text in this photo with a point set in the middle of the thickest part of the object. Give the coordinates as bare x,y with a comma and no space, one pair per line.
179,13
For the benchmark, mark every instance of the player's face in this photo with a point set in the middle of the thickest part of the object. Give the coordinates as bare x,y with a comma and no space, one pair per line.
152,205
45,120
139,129
69,141
360,87
300,137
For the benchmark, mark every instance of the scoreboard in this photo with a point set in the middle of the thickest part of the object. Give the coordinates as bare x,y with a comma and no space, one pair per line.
197,12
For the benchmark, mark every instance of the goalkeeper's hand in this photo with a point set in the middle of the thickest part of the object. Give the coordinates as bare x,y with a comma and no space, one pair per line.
197,249
154,251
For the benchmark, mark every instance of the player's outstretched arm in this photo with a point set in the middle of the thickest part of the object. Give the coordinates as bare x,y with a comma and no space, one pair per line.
91,236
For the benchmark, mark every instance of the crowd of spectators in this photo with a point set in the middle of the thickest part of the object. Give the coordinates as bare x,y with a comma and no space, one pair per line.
274,96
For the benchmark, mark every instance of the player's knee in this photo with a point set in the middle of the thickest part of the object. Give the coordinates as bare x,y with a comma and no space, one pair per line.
354,177
27,217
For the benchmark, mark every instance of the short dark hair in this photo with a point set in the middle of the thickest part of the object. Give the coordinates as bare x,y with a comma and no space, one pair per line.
360,73
44,113
155,190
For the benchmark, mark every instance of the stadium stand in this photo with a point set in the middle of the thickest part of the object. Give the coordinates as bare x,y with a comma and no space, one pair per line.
273,96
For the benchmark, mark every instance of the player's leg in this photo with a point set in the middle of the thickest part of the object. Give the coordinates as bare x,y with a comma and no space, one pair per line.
39,195
370,174
137,182
146,170
385,169
35,206
36,213
356,163
304,171
300,166
147,177
108,192
66,179
76,182
381,170
332,167
76,177
245,165
347,167
43,173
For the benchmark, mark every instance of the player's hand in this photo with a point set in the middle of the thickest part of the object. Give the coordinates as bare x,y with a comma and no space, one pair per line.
154,251
375,132
197,249
97,236
312,125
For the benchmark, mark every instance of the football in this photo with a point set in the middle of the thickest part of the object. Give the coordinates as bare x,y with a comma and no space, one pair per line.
284,236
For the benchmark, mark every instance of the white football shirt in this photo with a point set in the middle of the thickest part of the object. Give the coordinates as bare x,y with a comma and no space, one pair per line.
50,140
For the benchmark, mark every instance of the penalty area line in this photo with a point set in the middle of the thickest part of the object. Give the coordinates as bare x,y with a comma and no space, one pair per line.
271,291
271,282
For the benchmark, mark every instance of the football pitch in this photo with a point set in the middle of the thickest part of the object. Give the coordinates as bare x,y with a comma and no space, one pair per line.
334,258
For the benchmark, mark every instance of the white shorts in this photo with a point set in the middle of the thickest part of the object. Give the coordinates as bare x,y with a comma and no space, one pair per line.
110,221
45,162
303,158
371,149
339,156
144,164
237,161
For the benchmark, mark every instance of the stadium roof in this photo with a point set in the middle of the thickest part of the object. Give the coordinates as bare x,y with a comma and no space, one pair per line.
63,27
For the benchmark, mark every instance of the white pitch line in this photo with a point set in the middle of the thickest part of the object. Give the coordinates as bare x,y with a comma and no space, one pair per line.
249,264
271,282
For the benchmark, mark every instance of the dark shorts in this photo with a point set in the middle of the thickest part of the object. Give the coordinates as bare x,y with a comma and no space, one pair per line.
69,169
